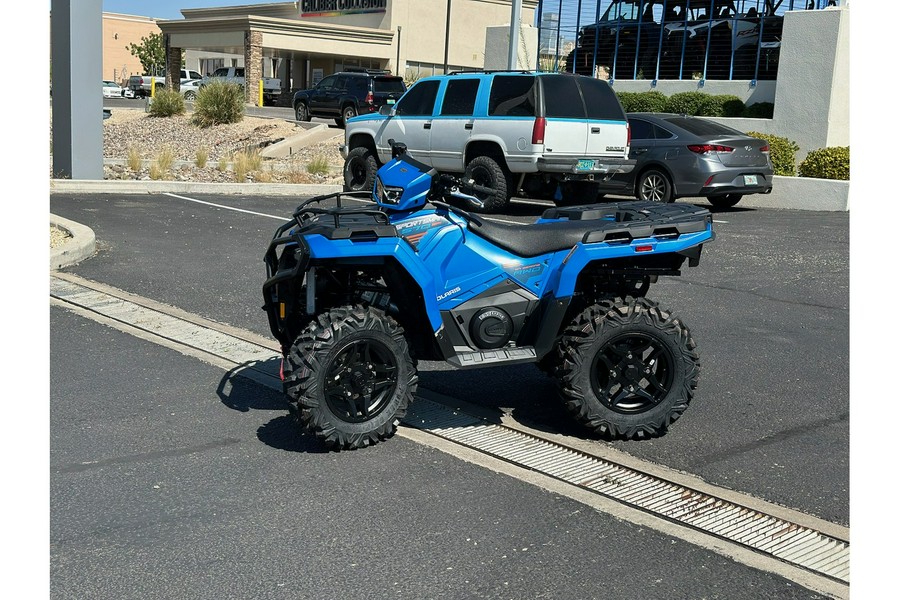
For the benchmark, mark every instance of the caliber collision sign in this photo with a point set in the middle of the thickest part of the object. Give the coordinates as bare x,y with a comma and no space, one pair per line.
331,8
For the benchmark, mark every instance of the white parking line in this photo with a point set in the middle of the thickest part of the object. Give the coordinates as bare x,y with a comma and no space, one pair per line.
249,212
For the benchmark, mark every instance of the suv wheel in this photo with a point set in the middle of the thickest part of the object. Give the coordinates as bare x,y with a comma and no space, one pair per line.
348,113
302,112
359,170
486,172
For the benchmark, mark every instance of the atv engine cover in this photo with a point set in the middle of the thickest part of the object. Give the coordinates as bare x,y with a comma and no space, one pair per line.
491,328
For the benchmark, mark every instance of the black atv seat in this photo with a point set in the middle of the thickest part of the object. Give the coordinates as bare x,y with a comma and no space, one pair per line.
537,238
619,222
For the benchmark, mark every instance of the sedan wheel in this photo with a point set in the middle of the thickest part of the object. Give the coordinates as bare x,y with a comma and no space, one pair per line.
654,185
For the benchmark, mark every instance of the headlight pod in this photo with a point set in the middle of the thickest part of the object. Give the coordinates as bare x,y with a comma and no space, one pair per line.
387,194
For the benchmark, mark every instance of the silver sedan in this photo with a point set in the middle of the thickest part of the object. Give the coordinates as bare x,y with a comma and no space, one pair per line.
682,156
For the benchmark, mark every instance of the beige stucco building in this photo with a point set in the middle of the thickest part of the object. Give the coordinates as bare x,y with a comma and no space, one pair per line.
118,32
301,42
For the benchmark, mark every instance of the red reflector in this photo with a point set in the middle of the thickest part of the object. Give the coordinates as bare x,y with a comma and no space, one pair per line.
708,181
537,134
643,248
705,148
370,99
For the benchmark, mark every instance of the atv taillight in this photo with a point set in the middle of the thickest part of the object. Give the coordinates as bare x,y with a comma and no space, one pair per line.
537,134
709,148
370,99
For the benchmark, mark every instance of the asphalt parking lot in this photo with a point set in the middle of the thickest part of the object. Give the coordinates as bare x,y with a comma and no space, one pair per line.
768,306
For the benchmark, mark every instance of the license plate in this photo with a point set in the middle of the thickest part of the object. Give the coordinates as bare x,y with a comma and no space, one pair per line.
750,180
390,100
585,164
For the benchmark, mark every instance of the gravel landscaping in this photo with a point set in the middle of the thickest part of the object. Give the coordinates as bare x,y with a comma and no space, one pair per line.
156,139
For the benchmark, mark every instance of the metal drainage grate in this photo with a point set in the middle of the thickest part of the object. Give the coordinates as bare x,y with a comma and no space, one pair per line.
777,537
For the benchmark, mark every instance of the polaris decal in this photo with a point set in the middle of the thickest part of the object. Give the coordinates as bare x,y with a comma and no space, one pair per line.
413,231
448,293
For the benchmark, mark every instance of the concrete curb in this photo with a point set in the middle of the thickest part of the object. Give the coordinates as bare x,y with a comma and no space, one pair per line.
69,186
796,193
81,245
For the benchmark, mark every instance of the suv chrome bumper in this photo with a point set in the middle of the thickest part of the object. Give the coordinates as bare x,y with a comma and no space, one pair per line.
602,166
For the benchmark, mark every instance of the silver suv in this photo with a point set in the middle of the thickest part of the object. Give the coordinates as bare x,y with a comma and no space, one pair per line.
548,135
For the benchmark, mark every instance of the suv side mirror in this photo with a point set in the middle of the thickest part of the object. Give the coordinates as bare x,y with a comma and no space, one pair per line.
386,110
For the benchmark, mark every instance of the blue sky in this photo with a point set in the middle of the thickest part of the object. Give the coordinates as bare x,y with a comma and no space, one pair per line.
167,9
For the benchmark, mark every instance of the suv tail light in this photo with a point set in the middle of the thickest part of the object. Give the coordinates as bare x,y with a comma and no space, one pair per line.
710,148
537,133
628,128
370,99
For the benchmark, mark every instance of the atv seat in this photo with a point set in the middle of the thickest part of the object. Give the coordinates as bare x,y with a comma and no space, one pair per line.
537,238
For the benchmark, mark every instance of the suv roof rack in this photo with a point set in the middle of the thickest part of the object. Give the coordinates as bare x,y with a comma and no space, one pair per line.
365,70
491,71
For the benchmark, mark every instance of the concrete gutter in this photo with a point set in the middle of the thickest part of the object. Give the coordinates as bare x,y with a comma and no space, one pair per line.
81,245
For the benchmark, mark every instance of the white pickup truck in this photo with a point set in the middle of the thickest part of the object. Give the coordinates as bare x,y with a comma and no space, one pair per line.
271,86
139,85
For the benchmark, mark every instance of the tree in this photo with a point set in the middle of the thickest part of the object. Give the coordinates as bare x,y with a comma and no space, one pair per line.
151,52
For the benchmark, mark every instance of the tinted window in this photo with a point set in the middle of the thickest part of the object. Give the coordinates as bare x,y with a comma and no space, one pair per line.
358,86
600,100
662,134
561,98
419,100
702,127
459,99
512,96
640,130
388,85
239,72
328,82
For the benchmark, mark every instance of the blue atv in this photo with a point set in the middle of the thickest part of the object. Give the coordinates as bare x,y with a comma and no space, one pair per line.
362,285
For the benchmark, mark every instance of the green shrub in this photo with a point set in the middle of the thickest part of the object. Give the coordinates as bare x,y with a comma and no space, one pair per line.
759,110
218,103
782,151
827,163
167,103
688,103
721,105
318,165
652,101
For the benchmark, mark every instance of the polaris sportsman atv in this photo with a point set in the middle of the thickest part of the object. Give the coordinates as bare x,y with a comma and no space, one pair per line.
357,291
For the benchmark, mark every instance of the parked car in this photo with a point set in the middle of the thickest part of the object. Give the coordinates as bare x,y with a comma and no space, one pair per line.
345,95
542,133
140,84
190,88
111,89
271,86
680,156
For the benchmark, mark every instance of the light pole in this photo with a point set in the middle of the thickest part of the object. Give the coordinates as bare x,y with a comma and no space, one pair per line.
447,37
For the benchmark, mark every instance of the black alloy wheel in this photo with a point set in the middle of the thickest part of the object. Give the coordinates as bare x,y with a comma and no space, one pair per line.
632,373
349,377
627,368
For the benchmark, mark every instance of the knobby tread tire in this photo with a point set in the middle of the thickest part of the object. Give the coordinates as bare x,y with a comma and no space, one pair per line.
499,181
588,333
307,362
364,158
